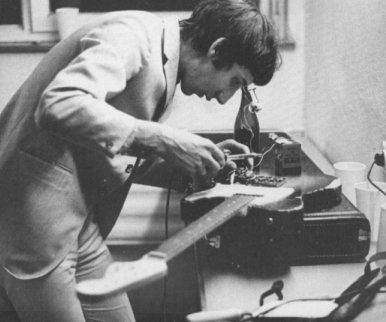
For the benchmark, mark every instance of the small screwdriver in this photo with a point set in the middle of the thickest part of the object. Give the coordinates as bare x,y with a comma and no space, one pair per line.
242,156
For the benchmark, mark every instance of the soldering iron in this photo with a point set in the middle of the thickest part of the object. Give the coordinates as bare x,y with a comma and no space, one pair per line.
242,156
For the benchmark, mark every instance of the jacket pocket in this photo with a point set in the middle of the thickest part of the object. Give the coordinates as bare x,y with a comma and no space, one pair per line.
52,173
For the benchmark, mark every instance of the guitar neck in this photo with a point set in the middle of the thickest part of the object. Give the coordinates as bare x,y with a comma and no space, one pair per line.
202,226
124,276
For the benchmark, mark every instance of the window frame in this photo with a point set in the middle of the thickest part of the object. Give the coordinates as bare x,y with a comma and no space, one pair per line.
39,23
25,32
42,19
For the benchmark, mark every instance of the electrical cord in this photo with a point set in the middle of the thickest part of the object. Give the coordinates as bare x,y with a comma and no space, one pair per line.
230,173
251,317
167,206
164,297
167,209
264,154
368,178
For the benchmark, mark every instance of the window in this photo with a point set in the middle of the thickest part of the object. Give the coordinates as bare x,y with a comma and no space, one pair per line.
35,21
278,12
10,12
148,5
19,18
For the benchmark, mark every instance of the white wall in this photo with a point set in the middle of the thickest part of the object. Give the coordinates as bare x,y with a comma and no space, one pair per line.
282,98
345,78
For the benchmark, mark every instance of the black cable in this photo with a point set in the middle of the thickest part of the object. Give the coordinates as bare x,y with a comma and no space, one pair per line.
368,178
167,208
164,296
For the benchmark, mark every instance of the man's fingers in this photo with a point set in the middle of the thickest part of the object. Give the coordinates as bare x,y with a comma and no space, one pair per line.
217,154
229,166
233,146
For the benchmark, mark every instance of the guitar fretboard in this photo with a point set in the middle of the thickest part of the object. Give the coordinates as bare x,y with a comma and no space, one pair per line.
203,225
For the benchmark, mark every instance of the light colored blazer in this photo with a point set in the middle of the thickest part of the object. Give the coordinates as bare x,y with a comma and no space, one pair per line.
61,133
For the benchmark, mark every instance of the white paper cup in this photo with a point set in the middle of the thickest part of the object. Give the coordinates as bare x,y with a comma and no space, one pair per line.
381,242
368,201
381,199
349,173
67,21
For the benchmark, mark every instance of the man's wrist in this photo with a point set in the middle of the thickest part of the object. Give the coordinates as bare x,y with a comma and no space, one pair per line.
147,139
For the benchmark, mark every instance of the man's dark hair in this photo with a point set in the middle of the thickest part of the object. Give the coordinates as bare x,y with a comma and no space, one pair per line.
251,39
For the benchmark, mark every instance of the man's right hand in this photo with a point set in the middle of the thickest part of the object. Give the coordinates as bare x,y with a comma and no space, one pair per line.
190,154
198,157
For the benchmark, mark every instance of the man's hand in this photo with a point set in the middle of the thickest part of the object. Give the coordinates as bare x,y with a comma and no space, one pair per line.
196,156
190,154
235,148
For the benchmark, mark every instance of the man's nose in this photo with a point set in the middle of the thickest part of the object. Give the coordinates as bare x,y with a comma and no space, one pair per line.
224,96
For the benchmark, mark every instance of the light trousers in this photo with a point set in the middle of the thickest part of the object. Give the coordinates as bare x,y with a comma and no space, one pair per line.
52,298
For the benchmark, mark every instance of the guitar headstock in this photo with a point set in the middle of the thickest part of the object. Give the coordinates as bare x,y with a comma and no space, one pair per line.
125,276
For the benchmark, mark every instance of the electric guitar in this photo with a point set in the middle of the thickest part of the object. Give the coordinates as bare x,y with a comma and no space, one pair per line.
126,276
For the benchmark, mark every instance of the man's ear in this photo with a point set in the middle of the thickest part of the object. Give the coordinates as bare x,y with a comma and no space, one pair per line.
215,49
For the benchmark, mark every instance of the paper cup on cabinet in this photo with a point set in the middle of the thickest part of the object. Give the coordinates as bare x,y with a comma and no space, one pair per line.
349,173
67,21
368,201
381,200
381,242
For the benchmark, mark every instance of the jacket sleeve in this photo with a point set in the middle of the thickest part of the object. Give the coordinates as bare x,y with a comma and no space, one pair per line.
74,105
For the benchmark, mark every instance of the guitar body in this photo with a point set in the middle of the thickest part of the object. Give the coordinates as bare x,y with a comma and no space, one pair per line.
264,238
318,192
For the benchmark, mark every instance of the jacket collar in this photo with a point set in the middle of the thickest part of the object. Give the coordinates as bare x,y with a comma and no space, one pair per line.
171,51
